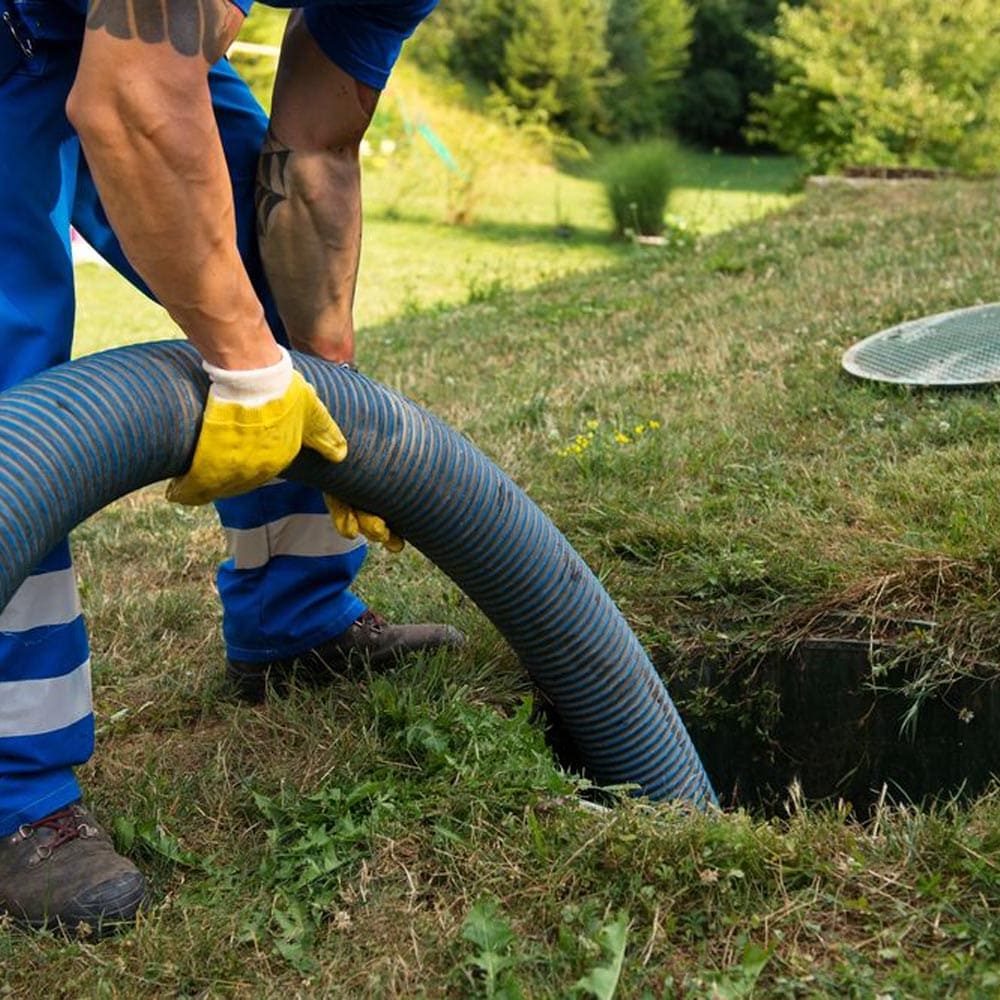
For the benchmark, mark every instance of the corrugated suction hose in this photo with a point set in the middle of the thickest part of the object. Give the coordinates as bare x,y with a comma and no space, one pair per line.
79,436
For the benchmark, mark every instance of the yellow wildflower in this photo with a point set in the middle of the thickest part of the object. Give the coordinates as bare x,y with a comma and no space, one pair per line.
622,438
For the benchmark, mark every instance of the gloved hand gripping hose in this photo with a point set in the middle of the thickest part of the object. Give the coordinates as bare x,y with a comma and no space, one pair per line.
254,424
86,433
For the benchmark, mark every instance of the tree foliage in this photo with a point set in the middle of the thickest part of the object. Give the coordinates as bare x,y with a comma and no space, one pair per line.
648,42
606,67
555,60
886,83
725,69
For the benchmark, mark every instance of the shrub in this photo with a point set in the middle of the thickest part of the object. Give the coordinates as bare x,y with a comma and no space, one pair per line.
885,83
637,182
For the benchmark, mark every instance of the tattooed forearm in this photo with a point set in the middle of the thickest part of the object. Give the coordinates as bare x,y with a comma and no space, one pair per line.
272,182
190,26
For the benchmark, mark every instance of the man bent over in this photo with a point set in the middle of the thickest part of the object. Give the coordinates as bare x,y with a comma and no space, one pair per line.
125,121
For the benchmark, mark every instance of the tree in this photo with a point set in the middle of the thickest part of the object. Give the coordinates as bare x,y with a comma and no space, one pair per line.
585,66
648,42
555,61
885,83
725,69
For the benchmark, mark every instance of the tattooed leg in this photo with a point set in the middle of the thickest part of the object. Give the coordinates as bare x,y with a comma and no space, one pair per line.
272,184
309,195
309,222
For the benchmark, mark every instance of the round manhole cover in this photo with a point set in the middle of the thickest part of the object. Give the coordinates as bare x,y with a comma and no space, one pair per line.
953,348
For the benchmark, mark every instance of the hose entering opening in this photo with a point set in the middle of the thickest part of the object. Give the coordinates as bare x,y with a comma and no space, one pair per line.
81,435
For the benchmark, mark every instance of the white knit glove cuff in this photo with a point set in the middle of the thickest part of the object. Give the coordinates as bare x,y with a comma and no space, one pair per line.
252,387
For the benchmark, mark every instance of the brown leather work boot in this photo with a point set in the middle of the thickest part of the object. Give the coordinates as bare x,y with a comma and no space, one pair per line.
370,640
62,872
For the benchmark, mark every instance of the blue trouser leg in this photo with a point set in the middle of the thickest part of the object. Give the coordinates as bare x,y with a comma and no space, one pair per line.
284,590
286,586
46,723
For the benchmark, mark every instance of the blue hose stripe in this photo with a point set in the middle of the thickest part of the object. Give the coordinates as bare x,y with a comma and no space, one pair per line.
425,476
465,507
625,745
53,425
496,575
495,581
609,735
602,646
586,627
94,429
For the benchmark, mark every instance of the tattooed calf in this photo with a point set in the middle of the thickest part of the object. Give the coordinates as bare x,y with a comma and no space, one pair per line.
272,182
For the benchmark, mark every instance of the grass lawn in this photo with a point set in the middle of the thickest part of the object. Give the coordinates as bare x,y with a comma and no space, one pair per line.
409,835
413,260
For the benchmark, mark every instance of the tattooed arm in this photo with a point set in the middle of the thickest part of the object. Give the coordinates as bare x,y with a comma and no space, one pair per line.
309,195
142,107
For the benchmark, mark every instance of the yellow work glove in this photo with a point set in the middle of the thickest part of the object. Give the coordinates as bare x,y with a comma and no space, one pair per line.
255,423
350,523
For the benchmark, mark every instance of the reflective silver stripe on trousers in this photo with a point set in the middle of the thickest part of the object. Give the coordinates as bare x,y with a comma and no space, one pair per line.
45,599
30,708
295,535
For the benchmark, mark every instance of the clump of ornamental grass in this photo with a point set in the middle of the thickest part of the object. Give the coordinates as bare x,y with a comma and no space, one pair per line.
637,181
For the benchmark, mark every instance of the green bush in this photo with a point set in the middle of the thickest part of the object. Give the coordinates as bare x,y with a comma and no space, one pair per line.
885,83
637,181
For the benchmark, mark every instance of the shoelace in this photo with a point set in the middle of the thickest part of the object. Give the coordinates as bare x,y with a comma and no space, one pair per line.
65,824
371,620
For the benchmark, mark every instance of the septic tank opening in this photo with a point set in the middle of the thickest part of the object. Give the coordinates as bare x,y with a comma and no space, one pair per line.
827,718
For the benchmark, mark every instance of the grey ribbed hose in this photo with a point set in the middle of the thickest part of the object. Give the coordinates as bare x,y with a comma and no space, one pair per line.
81,435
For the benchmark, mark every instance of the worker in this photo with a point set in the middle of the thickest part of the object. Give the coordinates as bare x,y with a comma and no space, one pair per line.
125,120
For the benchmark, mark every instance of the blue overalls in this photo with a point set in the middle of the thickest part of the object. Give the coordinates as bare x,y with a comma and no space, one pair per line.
285,587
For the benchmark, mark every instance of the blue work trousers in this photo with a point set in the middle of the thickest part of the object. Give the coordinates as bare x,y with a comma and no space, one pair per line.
285,587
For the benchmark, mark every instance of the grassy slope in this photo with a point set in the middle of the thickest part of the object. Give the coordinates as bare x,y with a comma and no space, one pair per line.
773,487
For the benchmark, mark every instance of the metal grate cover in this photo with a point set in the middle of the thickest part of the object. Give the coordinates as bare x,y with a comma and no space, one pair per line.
953,348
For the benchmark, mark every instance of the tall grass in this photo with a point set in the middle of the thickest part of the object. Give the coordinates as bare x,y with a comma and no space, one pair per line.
637,180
